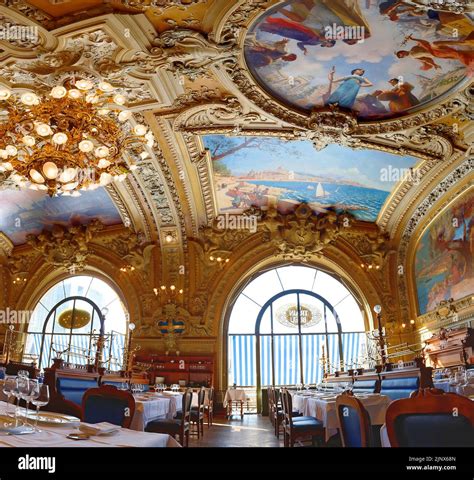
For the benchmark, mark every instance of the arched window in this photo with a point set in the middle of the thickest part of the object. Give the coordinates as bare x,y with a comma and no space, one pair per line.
68,319
286,321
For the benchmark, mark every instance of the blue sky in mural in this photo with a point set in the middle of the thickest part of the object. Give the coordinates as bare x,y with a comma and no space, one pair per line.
249,170
28,211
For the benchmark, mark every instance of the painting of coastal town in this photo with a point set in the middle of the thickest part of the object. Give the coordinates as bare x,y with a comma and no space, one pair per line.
257,171
29,211
377,58
444,264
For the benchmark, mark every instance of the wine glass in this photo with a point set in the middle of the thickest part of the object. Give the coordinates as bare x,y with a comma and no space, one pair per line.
32,385
23,373
24,390
8,388
39,398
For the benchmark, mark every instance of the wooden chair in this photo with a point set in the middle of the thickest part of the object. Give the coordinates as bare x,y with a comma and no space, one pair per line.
298,428
354,421
108,404
209,408
175,426
197,413
431,419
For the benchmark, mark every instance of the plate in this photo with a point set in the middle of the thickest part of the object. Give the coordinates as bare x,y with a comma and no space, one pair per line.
51,418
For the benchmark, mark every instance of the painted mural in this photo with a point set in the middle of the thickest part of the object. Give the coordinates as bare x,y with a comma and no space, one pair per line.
444,263
378,58
28,211
256,171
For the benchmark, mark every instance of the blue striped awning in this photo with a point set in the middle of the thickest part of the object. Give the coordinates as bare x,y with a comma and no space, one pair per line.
243,366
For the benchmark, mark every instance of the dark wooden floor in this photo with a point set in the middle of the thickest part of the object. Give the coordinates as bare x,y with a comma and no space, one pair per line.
251,431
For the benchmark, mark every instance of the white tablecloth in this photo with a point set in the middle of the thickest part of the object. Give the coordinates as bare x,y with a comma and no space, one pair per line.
152,407
384,441
325,410
55,436
235,395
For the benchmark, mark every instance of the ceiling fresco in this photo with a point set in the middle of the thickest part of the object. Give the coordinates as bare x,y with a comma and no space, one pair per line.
251,171
29,211
380,59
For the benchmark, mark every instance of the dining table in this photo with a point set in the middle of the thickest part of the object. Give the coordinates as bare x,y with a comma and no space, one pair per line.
323,407
152,406
56,435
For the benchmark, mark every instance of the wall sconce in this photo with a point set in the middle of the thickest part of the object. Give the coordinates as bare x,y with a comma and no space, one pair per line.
171,293
412,324
128,268
19,281
221,261
369,266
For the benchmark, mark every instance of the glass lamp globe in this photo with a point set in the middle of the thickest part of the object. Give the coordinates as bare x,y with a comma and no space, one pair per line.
377,309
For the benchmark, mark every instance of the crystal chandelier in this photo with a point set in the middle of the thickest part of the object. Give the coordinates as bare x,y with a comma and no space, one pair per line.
71,139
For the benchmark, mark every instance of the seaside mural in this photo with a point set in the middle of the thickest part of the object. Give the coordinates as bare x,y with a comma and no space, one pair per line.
444,262
378,58
29,211
253,171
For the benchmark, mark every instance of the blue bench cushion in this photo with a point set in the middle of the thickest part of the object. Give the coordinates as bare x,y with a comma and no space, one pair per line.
73,388
434,430
369,386
397,388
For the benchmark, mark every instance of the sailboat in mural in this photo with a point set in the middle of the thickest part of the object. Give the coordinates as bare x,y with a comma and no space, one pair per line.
320,192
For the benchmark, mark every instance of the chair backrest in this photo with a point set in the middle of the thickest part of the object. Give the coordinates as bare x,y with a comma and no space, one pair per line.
354,421
271,399
186,406
201,398
431,419
210,396
108,404
287,404
401,387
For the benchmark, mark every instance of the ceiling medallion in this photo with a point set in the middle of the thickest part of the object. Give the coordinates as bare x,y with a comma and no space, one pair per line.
75,138
288,315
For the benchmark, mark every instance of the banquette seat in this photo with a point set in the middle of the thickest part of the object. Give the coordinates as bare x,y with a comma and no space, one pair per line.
401,387
366,386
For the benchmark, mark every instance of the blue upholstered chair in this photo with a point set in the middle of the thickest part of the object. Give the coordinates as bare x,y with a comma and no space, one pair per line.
427,419
73,389
300,427
402,387
366,386
354,421
175,426
108,404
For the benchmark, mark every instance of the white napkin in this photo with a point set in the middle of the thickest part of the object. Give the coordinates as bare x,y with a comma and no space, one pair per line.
102,428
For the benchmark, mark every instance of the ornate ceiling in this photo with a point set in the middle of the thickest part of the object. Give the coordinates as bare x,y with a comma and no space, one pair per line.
233,129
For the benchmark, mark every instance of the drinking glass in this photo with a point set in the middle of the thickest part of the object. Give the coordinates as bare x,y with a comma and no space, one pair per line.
23,373
23,386
8,387
39,398
30,391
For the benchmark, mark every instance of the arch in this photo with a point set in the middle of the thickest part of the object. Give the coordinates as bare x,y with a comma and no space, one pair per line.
75,293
